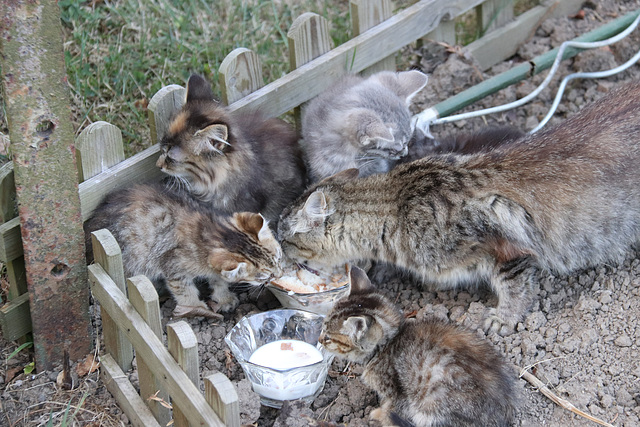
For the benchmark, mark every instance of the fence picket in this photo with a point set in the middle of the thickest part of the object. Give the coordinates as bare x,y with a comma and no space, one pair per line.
149,347
163,104
107,253
308,38
223,398
183,346
240,74
98,147
144,298
366,14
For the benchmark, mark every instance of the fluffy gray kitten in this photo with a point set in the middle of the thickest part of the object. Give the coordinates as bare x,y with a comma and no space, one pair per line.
562,199
428,372
362,123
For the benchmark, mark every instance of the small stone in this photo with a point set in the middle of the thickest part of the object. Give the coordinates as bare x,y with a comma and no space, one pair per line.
623,341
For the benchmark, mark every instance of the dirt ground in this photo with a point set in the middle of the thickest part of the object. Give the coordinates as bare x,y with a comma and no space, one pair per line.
582,337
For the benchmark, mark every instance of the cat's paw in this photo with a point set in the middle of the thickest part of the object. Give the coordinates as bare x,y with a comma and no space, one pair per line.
496,324
195,311
222,299
381,416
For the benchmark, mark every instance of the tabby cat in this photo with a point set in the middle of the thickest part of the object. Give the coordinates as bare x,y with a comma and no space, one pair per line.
173,240
564,198
428,372
360,123
229,161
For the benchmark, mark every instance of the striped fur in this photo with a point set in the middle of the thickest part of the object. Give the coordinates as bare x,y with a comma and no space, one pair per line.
563,199
173,240
428,372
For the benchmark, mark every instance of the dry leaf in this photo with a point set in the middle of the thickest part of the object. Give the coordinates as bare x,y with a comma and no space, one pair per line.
12,373
89,365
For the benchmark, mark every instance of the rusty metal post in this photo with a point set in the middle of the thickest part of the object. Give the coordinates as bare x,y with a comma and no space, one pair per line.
43,152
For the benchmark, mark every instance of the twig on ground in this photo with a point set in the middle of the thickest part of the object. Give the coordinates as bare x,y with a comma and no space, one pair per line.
533,380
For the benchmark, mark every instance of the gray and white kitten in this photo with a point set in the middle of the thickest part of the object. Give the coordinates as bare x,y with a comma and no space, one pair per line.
428,372
362,123
173,240
562,199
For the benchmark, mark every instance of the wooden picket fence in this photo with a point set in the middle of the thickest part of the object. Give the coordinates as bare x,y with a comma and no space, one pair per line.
132,323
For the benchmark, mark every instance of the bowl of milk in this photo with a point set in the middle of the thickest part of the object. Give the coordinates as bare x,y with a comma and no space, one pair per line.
279,353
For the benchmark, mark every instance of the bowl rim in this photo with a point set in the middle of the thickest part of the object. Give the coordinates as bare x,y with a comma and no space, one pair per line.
306,294
327,356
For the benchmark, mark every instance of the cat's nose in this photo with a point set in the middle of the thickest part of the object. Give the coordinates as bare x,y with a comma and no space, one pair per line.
160,162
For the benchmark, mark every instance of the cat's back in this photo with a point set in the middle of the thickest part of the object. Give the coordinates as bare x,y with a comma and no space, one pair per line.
450,376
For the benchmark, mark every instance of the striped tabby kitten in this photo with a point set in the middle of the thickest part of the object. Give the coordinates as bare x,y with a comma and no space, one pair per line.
429,372
232,162
172,240
562,199
360,123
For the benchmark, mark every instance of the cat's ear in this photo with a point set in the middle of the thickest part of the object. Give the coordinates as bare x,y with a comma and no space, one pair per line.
313,213
236,274
198,89
356,327
405,84
316,208
253,224
410,83
213,138
228,265
360,282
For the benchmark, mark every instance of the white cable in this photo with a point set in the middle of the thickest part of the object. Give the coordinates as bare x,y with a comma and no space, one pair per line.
425,120
592,75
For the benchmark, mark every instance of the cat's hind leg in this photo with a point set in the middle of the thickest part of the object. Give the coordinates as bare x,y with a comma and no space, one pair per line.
187,297
512,282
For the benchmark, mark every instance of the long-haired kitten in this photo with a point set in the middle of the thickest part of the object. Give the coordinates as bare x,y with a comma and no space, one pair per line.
232,162
362,123
427,372
173,240
562,199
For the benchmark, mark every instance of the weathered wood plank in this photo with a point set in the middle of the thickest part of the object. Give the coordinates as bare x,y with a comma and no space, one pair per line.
308,38
494,14
98,147
161,107
138,168
147,345
366,14
240,73
17,276
15,318
121,389
144,298
8,208
183,346
504,42
223,398
307,81
107,253
445,32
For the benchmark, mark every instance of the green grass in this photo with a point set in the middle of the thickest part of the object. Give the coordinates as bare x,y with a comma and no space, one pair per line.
119,53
